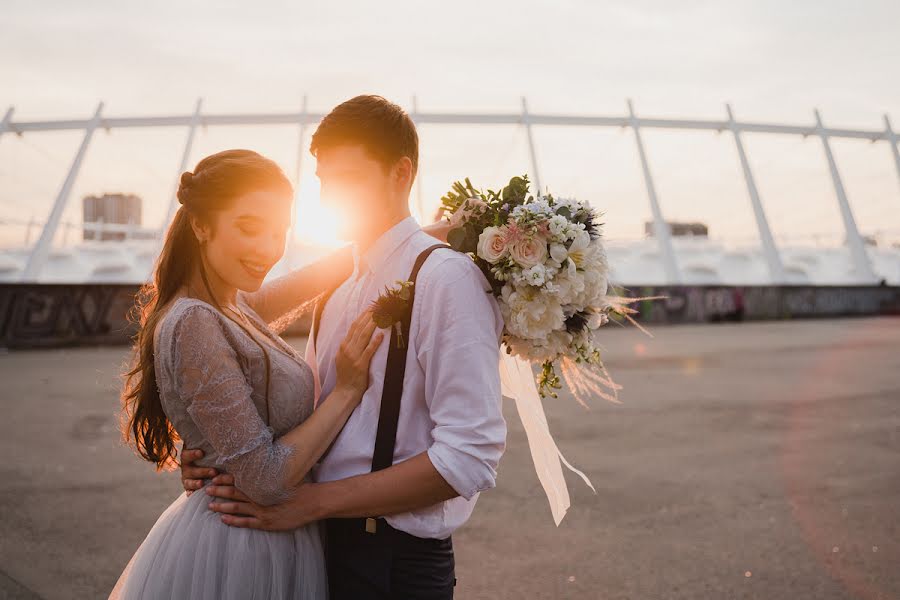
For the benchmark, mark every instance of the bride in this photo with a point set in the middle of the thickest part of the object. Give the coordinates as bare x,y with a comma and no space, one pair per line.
209,371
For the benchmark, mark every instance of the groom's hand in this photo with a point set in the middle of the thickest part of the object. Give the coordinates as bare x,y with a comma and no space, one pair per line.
240,511
192,477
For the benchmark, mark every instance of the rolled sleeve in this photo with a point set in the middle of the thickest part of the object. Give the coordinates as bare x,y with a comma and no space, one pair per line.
459,350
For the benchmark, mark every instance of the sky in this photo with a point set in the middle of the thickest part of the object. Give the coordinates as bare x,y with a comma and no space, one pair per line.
773,61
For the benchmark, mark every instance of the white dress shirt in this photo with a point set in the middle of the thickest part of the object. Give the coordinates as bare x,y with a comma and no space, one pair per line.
451,404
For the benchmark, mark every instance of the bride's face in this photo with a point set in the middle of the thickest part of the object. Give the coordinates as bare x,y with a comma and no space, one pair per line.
246,239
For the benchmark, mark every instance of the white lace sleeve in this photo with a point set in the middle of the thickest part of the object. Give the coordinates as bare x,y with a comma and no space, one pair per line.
210,381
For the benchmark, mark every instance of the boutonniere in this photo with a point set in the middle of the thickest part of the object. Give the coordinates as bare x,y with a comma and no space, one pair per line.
391,307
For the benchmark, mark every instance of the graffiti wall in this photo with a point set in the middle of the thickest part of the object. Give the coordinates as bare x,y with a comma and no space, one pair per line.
709,304
45,316
42,316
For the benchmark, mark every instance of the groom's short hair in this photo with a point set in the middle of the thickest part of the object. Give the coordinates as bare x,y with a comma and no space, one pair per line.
384,129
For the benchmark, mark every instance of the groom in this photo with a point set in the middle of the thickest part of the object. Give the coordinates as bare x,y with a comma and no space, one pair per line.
389,530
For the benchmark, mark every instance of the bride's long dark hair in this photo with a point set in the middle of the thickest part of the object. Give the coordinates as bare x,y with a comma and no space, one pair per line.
214,183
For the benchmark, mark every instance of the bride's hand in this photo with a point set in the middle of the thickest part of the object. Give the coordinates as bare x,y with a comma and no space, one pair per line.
355,354
439,229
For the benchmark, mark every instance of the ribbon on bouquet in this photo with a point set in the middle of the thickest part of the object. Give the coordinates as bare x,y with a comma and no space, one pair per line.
517,382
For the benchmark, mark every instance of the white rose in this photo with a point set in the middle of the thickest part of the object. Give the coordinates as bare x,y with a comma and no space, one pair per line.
531,315
528,251
569,286
492,244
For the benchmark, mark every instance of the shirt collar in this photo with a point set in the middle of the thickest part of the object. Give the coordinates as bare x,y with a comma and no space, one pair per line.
378,253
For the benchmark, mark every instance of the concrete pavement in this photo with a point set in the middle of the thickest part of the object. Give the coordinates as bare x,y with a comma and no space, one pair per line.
753,460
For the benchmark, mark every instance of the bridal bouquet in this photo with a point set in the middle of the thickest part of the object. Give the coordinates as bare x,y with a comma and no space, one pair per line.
545,260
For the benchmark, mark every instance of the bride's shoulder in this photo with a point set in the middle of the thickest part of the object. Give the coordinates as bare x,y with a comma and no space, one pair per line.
186,316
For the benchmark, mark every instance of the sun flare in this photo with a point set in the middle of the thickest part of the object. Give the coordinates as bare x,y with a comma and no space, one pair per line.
314,223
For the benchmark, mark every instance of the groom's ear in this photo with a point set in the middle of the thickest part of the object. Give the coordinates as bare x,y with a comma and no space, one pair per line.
403,172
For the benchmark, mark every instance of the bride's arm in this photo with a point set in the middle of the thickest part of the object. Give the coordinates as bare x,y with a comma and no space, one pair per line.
211,382
279,296
438,229
191,475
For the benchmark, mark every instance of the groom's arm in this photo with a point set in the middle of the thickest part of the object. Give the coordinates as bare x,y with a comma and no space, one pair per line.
406,486
458,349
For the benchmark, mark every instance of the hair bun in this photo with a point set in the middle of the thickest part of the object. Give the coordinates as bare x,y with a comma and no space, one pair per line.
184,185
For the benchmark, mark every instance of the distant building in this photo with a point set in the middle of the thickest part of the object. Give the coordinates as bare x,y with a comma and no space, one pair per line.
116,209
680,229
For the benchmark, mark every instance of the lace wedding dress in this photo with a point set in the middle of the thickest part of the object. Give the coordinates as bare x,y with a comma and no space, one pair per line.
212,383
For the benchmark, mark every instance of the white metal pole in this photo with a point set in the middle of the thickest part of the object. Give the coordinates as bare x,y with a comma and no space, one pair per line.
301,149
290,258
892,140
28,230
770,250
660,228
41,250
7,118
855,243
526,119
185,157
420,202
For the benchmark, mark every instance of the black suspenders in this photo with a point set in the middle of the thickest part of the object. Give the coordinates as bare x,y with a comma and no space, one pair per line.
394,375
395,371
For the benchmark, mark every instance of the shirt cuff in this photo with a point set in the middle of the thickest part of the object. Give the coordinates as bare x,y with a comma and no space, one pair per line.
465,473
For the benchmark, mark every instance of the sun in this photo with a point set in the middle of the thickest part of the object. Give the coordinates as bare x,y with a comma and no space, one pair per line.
314,224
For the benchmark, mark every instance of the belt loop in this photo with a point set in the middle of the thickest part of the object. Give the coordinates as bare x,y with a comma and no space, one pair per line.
371,525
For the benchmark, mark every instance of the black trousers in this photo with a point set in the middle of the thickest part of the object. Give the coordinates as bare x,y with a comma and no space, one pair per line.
387,565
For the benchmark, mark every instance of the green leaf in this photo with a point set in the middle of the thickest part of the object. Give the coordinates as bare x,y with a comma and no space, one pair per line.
457,238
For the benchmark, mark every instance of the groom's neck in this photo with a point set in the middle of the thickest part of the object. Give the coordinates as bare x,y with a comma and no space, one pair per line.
371,235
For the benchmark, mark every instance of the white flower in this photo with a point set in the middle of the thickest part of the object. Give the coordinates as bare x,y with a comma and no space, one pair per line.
529,314
557,344
577,255
596,273
540,206
528,251
559,227
568,286
569,203
535,276
559,253
492,244
597,319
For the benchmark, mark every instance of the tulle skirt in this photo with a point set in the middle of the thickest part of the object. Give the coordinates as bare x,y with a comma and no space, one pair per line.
190,554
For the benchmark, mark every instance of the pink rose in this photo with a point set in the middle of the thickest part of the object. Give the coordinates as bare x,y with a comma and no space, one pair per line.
528,251
492,244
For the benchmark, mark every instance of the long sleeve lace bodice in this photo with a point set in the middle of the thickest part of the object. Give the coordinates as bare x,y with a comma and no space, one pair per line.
212,383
